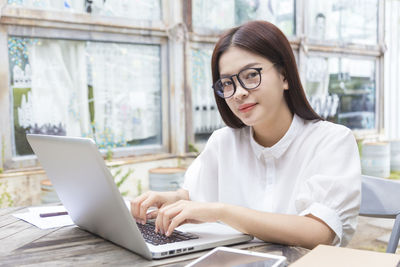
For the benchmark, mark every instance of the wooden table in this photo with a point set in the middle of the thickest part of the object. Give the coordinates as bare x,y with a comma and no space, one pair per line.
24,244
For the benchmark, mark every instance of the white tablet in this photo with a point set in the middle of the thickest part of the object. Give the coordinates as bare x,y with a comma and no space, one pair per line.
227,257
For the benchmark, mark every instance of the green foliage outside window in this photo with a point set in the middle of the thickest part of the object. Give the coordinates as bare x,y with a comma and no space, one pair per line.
121,177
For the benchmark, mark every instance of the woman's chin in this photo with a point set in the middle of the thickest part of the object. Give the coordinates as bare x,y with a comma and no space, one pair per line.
248,122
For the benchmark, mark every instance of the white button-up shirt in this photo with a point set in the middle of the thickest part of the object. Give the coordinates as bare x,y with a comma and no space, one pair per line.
314,169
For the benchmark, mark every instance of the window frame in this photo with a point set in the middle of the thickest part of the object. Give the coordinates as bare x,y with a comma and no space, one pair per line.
316,53
331,43
349,50
195,45
177,129
302,46
32,23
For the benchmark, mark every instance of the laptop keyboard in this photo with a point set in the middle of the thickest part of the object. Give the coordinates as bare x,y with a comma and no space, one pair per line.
150,236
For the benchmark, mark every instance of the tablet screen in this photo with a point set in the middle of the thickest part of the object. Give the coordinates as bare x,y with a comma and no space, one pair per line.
223,258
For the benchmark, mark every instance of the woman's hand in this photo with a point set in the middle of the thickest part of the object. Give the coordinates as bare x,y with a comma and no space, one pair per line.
183,211
141,204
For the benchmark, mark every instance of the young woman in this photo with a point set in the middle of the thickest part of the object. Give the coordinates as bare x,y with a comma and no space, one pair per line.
278,171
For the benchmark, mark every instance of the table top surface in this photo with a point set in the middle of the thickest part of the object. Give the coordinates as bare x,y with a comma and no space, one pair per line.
24,244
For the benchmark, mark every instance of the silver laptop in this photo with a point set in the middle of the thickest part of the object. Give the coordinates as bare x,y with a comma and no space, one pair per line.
86,188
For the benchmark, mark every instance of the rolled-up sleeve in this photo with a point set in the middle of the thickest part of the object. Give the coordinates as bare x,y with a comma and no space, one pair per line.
333,193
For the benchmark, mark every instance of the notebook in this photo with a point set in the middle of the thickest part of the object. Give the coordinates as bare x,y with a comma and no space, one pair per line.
329,256
87,190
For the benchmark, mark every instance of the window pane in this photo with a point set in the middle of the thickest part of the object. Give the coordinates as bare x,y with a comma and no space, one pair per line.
110,92
125,81
350,21
342,90
139,9
214,16
49,88
59,5
206,117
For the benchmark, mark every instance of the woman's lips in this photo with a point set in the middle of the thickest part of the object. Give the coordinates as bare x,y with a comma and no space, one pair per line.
247,107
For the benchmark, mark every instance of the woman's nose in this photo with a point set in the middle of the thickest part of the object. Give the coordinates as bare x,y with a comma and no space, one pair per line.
240,91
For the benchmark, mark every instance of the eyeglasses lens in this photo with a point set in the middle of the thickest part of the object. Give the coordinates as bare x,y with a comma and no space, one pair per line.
248,78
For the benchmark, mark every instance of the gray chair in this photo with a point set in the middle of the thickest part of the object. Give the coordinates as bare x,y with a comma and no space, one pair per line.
381,198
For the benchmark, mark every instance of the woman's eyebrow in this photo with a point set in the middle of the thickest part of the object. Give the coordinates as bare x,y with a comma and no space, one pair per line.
244,67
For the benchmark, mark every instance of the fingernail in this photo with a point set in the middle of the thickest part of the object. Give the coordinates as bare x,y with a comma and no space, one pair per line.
168,233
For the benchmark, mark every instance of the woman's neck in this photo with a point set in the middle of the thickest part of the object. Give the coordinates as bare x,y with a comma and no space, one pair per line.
269,133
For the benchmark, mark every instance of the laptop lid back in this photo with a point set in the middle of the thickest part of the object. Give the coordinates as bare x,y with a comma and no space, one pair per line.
87,190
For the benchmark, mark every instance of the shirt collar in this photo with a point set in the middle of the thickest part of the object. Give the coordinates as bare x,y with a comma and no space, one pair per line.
281,146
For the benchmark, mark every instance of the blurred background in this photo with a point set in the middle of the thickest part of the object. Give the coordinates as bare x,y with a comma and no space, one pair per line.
135,76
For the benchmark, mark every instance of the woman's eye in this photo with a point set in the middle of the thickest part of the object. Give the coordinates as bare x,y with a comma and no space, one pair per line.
227,83
251,75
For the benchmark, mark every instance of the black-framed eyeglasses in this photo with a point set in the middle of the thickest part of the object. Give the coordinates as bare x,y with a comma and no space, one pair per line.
249,79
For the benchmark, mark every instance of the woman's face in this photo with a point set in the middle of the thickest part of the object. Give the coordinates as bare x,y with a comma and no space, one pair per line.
263,105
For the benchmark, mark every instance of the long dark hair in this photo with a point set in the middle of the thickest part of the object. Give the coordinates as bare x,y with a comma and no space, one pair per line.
265,39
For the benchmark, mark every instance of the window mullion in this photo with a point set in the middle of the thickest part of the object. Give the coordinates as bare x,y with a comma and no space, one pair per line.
5,100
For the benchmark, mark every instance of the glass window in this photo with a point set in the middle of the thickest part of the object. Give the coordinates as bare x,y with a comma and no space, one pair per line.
343,90
108,91
210,16
125,81
139,9
206,117
350,21
59,5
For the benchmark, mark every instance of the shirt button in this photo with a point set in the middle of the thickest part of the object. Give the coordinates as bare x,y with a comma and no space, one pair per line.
267,156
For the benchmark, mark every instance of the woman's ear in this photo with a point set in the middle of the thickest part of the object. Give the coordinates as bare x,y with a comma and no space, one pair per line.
285,84
282,76
284,80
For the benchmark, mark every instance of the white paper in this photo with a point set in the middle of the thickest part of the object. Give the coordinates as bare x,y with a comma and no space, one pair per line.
32,216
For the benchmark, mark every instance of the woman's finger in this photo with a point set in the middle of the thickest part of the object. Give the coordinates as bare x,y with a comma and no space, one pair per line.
169,214
145,205
135,205
175,222
159,219
152,214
